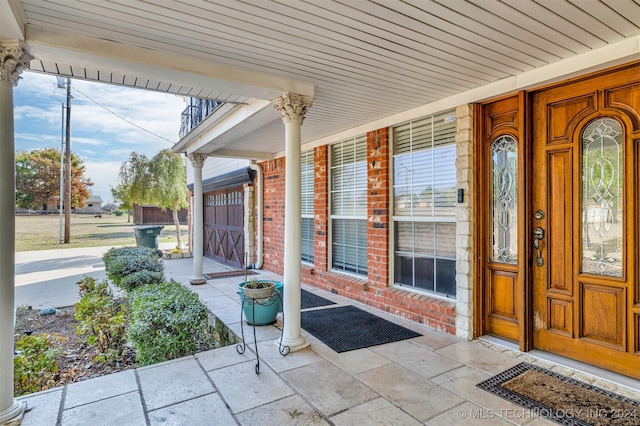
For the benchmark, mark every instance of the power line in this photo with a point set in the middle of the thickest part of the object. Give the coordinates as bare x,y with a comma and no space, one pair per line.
121,117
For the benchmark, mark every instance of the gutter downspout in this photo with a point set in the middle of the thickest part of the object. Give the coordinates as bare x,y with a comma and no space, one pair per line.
259,220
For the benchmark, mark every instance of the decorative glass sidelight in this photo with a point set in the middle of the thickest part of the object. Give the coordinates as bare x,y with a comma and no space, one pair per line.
602,198
504,203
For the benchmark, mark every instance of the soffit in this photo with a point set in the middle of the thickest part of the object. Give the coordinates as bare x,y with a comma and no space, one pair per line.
366,60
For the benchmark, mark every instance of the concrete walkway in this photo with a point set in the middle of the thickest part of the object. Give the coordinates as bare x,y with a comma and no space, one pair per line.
425,380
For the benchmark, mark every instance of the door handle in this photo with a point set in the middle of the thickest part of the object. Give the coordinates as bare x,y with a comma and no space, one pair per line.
538,234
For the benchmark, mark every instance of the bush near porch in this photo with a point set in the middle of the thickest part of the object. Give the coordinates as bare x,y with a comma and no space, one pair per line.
166,320
154,322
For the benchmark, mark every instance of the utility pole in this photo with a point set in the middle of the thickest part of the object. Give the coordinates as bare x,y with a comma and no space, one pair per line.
67,180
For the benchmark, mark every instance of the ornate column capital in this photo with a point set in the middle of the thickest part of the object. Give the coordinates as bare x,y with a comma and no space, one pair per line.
14,57
292,107
197,159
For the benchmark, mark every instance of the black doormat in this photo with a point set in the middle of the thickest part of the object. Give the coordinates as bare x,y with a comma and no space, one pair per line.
310,300
562,399
227,274
347,328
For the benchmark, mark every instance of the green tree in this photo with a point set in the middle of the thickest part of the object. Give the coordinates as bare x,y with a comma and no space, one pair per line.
134,183
38,179
161,180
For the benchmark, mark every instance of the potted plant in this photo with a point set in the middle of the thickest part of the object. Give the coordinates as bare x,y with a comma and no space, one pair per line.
258,289
260,300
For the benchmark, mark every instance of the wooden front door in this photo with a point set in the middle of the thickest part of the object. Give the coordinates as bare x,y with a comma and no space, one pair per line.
585,210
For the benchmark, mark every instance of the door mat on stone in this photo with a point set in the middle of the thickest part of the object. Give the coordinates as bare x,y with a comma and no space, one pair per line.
562,399
227,274
347,328
310,300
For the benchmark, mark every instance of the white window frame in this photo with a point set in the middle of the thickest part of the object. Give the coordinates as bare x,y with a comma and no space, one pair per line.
306,216
357,217
447,116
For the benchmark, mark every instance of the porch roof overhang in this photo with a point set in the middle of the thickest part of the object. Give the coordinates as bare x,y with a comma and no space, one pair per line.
367,64
228,180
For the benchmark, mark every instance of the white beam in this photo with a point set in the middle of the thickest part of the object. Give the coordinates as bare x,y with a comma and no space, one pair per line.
240,121
48,45
11,21
249,155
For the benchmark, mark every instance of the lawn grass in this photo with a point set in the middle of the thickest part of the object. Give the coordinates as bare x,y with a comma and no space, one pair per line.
42,232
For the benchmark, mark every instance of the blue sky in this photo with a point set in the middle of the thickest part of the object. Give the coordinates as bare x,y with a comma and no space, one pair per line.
101,138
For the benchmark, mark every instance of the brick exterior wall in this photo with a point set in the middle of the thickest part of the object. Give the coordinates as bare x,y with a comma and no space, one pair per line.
375,290
273,215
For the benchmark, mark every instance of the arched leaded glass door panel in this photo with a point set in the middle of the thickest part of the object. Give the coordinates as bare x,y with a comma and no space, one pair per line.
586,184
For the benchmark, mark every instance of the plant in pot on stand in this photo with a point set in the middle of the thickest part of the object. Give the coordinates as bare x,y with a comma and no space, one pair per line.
260,300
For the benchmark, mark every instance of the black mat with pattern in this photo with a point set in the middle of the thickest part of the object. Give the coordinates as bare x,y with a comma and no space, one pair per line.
347,328
310,300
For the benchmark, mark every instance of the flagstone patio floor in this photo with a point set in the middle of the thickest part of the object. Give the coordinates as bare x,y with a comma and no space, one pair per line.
429,379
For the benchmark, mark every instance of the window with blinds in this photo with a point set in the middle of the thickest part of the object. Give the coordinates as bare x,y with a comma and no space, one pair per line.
424,199
349,206
307,206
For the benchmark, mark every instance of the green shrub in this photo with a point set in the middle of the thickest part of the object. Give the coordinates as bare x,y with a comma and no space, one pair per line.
114,252
167,321
140,278
35,365
131,267
102,320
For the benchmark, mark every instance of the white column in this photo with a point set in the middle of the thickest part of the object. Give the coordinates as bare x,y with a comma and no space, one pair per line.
197,160
292,108
13,59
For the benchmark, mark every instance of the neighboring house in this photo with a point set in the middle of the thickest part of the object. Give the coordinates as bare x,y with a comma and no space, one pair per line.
109,208
93,205
472,167
153,215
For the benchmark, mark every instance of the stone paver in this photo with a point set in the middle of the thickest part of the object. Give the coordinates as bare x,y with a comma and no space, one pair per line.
290,411
416,358
270,353
120,410
353,362
468,414
328,388
223,357
415,394
378,412
207,409
478,356
171,382
104,387
43,407
243,389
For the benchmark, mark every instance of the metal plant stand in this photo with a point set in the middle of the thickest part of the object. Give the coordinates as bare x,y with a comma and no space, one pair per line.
241,347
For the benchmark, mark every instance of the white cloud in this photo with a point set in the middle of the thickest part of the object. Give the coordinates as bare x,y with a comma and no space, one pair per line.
104,174
89,141
36,85
34,113
100,137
